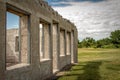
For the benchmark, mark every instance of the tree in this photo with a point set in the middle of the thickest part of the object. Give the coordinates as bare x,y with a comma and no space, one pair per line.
115,37
103,42
88,42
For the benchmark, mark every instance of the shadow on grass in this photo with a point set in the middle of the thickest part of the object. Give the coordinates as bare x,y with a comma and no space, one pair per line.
83,71
91,71
114,67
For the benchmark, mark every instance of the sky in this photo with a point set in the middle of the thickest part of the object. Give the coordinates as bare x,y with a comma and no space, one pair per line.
12,20
93,18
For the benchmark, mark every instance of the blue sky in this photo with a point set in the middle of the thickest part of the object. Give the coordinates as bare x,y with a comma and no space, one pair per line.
57,3
93,18
12,20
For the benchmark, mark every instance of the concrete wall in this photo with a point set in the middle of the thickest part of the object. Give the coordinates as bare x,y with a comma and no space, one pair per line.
12,55
31,66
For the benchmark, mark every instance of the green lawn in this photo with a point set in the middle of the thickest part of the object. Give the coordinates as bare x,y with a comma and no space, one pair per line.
95,64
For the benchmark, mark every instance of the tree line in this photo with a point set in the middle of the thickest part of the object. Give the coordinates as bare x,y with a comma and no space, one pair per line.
113,41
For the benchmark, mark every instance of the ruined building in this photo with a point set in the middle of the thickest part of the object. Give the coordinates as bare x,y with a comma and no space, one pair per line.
43,44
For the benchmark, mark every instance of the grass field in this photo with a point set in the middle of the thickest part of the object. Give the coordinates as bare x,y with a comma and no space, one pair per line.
95,64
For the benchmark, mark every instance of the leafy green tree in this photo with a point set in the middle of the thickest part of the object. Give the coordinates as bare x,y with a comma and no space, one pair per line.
103,42
115,36
88,42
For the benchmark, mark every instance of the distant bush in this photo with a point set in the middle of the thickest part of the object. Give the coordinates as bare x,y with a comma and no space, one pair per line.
117,45
79,45
109,46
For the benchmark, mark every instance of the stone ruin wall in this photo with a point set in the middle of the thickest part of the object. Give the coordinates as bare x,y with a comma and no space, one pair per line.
58,49
12,55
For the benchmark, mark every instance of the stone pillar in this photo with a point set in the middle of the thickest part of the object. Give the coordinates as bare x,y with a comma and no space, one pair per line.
72,47
24,39
75,54
34,40
62,43
65,42
76,46
55,46
2,39
46,29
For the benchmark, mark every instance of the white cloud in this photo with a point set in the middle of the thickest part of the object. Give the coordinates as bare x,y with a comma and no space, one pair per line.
95,20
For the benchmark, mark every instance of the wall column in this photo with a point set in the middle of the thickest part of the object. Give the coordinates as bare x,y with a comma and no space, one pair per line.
34,40
2,39
65,42
24,38
34,47
55,46
75,43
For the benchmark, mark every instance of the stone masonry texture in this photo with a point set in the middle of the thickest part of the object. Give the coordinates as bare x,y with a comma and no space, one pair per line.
38,54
